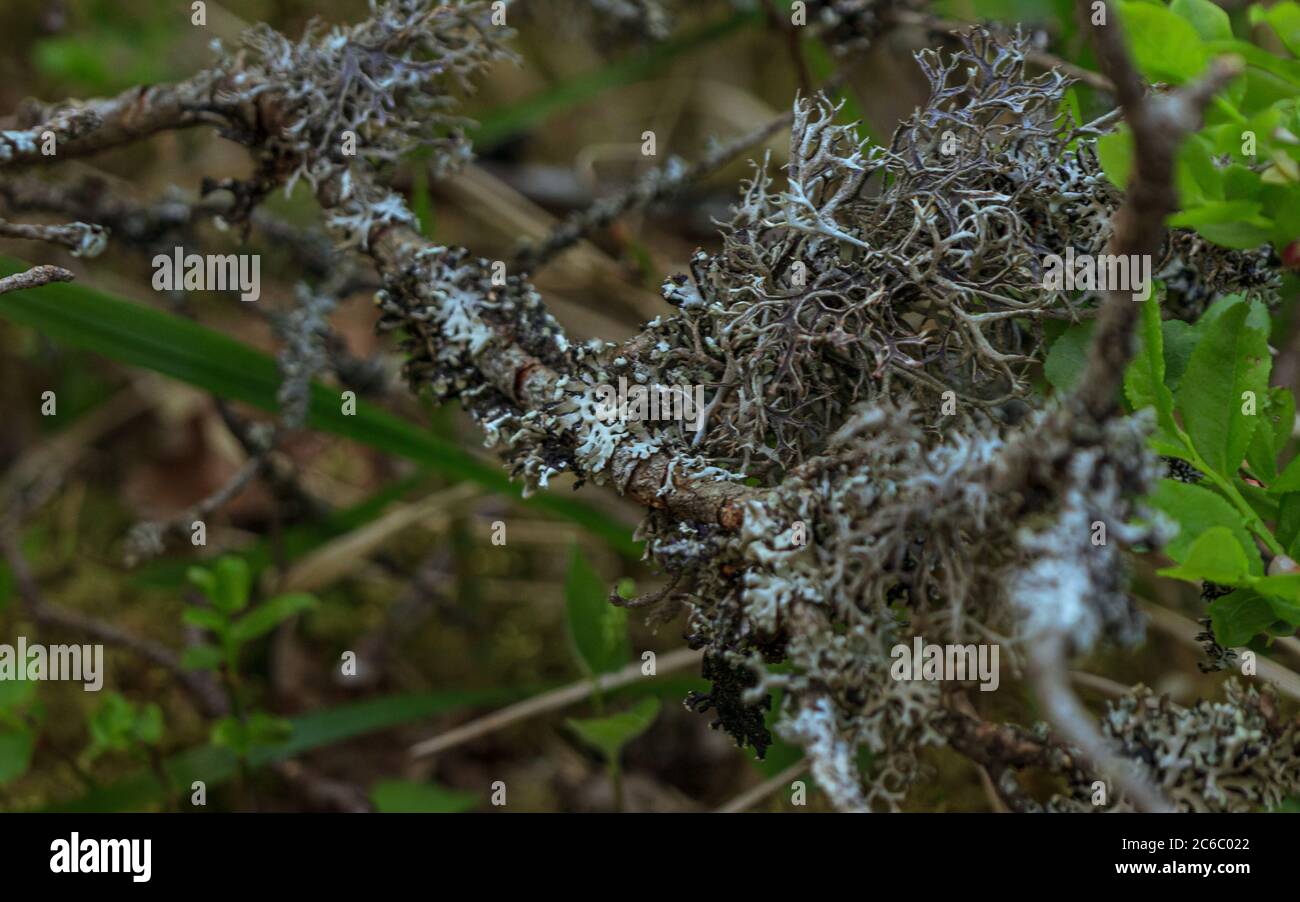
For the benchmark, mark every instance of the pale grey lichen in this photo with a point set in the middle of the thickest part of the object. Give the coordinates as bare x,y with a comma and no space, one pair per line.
843,312
352,99
1236,755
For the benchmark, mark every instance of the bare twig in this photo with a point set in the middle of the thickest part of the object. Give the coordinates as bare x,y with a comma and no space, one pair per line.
655,185
209,696
83,239
751,797
1159,124
34,278
1073,723
940,26
1185,631
551,701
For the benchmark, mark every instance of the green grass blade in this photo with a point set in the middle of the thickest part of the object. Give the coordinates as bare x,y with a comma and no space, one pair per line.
141,336
502,123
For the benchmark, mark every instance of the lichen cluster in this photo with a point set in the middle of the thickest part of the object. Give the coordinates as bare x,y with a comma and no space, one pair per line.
1235,755
351,99
866,337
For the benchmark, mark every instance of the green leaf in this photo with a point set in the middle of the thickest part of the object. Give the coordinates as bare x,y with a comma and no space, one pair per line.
148,727
1285,69
1068,355
1272,436
137,335
15,693
409,797
1286,609
1282,592
1283,18
1289,481
1214,220
15,753
1144,382
1288,523
268,615
1281,417
1165,46
260,730
1199,180
204,580
1238,617
1115,153
421,202
315,730
201,657
1230,359
506,121
1214,556
1197,510
1260,455
1179,340
598,628
608,735
233,582
1210,21
205,618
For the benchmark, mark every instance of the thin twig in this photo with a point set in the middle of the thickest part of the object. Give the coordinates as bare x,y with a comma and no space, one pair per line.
655,185
1185,631
1073,723
209,696
34,278
551,701
751,797
940,26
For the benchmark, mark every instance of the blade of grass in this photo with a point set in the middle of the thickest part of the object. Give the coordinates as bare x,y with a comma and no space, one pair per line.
141,336
502,123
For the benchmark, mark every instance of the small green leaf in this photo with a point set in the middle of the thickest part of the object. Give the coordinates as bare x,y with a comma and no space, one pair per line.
1115,153
148,727
1197,510
1165,46
1284,18
259,731
1144,382
609,734
205,618
1210,22
409,797
1214,556
15,693
1289,481
15,753
1282,592
1288,523
598,628
1230,360
1239,616
201,657
233,583
204,580
268,615
1179,340
1260,455
1068,355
